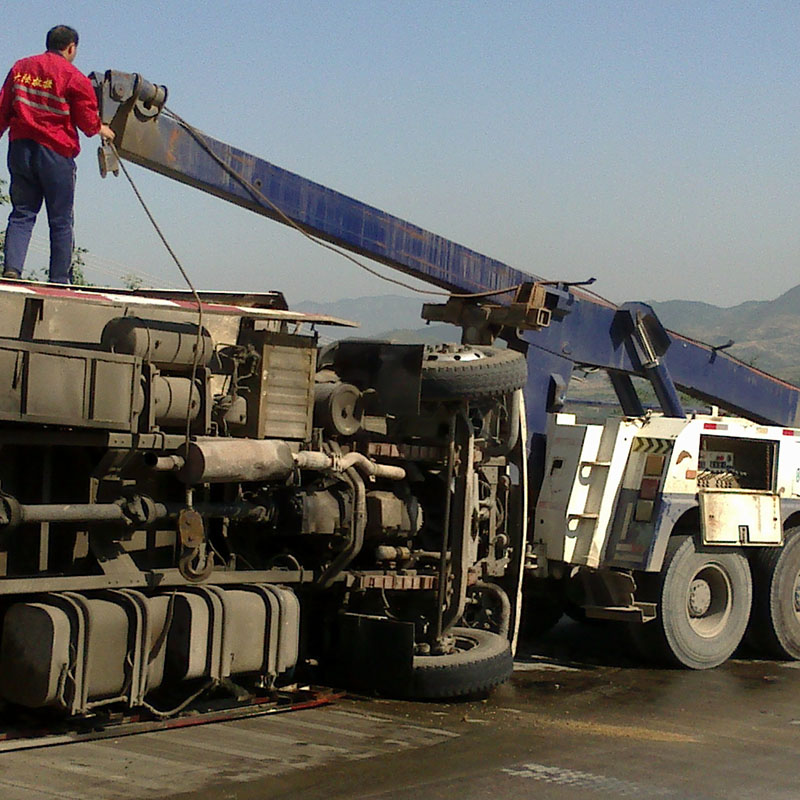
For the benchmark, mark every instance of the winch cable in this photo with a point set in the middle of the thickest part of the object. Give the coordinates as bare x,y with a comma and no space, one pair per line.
199,340
199,137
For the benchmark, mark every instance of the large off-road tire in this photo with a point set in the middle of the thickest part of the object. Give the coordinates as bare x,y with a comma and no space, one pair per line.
704,596
456,372
775,618
480,661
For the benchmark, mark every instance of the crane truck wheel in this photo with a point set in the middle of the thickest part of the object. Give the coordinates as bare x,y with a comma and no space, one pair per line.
704,597
775,619
456,372
479,661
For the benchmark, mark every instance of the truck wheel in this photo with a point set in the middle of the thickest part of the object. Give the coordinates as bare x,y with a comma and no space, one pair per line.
704,597
479,661
456,372
775,620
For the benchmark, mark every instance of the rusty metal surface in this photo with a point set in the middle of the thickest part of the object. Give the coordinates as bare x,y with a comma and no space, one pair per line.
18,736
30,394
218,303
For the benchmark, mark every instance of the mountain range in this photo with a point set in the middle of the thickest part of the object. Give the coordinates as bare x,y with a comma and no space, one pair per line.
766,333
394,317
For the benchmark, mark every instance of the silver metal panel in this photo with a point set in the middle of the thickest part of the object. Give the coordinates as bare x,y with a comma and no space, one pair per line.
111,398
246,630
740,517
35,647
280,396
49,384
55,385
106,649
159,609
289,628
288,374
11,382
189,648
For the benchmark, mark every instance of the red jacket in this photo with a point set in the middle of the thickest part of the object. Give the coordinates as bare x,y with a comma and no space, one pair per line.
45,98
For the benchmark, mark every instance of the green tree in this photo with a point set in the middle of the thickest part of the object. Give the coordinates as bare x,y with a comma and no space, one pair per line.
132,281
78,264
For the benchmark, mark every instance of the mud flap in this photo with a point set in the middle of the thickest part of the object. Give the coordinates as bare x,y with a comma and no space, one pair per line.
373,654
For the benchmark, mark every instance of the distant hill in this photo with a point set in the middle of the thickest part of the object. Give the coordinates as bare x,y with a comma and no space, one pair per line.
766,333
376,315
392,317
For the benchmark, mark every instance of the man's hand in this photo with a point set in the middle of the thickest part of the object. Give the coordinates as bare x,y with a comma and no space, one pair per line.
106,133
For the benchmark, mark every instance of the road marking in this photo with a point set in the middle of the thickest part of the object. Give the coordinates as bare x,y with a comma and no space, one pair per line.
587,780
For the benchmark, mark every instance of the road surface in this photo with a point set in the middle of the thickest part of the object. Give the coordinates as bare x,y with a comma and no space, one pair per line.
578,720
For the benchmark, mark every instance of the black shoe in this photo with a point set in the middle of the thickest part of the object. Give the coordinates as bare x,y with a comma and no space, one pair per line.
11,274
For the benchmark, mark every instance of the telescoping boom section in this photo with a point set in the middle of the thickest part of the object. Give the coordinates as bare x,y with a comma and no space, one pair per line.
557,324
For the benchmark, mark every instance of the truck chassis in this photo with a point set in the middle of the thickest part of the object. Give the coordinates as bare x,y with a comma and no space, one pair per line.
200,500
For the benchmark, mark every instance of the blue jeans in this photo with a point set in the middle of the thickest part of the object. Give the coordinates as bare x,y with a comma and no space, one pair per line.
39,173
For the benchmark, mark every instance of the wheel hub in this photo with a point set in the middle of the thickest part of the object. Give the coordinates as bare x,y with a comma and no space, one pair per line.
447,353
709,600
699,597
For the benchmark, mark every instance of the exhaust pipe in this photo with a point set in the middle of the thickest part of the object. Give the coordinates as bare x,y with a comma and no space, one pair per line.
218,460
212,460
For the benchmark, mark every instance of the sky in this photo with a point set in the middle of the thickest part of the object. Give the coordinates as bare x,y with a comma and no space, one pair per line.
652,145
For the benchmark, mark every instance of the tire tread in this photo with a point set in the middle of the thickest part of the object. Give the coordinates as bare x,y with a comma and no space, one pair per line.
767,630
464,673
500,372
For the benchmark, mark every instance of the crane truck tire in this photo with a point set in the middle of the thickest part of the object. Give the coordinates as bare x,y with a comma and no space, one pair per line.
775,619
456,372
479,661
704,597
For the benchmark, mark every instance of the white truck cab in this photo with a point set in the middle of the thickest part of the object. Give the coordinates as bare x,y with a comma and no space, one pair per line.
620,500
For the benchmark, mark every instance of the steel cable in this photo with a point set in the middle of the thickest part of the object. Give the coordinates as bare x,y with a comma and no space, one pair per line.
199,339
199,137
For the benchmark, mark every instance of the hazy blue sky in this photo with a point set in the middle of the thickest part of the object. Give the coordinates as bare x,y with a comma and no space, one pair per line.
653,145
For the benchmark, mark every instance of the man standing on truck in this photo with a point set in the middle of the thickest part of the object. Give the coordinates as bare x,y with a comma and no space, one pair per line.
43,101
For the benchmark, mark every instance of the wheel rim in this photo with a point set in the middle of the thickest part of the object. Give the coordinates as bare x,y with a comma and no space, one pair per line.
445,354
708,600
462,642
796,596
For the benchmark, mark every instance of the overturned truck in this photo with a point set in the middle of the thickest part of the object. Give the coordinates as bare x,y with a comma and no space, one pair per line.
198,496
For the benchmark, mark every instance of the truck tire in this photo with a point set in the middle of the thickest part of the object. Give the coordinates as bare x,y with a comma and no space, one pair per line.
704,597
456,372
775,619
481,660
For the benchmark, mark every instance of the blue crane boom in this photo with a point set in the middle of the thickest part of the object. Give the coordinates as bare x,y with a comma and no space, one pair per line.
560,326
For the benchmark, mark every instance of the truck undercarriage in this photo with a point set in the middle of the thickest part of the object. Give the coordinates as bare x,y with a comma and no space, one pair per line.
227,507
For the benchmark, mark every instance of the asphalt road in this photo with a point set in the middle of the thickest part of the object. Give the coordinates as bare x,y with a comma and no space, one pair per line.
578,720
